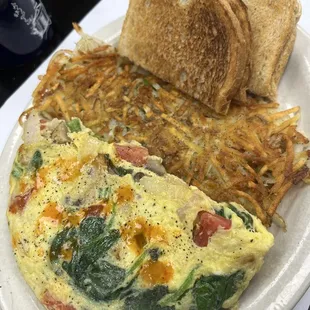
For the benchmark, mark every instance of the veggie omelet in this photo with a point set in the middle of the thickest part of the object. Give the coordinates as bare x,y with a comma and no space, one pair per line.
103,226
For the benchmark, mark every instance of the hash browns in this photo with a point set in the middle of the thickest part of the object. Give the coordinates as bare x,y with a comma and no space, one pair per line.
247,156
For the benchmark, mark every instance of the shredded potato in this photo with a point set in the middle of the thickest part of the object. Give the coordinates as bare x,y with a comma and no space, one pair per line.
247,156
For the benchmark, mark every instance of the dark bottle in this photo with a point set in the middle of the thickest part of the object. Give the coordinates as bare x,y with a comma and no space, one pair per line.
25,27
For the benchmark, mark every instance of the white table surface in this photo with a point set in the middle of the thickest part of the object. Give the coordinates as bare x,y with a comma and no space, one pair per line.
105,12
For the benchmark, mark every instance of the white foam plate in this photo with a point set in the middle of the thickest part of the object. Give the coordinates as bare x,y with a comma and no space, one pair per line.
285,276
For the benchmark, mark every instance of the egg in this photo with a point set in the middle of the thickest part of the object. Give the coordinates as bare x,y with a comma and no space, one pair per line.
96,226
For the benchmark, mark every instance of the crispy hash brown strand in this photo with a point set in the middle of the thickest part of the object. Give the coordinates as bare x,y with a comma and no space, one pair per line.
247,156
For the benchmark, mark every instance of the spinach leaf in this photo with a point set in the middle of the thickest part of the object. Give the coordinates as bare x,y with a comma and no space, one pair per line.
104,193
138,262
68,234
220,212
98,247
111,221
88,269
120,171
74,125
123,291
100,280
178,294
90,229
147,299
17,171
37,160
212,291
245,217
88,254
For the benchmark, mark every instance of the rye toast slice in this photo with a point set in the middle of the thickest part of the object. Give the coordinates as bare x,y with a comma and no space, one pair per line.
196,45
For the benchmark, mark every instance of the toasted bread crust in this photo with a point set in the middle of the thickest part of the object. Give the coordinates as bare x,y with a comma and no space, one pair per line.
283,60
273,23
198,46
287,50
241,11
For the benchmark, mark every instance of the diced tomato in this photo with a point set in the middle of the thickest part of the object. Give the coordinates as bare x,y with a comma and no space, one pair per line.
42,124
136,155
206,224
94,210
52,304
19,202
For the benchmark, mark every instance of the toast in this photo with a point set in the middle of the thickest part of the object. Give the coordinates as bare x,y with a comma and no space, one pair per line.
273,24
197,45
241,11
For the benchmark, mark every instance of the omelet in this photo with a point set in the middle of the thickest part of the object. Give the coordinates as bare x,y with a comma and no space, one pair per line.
99,225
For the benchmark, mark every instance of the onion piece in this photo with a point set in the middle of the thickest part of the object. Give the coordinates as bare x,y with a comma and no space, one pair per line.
279,221
60,134
155,164
32,132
